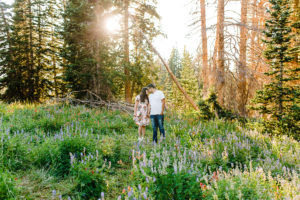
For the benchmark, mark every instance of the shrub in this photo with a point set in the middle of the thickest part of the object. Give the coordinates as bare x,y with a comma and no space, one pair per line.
75,145
14,150
45,154
89,176
179,186
253,184
50,124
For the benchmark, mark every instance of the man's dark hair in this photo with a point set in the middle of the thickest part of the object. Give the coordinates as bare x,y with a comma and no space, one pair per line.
151,86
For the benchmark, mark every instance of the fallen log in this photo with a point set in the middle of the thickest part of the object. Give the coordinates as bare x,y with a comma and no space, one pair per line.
95,101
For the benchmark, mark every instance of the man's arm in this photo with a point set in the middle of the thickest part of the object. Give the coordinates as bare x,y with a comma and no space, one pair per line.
163,106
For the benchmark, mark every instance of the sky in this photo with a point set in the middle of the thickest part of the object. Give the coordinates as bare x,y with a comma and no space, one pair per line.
175,20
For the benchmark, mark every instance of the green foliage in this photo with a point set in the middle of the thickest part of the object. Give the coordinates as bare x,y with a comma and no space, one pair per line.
197,160
74,145
8,189
14,152
175,62
30,71
280,98
90,179
176,186
210,109
44,155
243,186
188,81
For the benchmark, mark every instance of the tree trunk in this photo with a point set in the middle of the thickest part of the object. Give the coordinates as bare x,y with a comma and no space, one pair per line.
190,100
39,67
213,70
242,99
280,87
220,50
29,87
126,53
296,18
204,47
31,95
254,60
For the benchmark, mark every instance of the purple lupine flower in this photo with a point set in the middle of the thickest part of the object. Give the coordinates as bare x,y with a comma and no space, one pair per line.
130,193
102,195
53,193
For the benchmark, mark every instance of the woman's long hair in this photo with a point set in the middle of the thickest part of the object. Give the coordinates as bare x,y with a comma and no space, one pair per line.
144,95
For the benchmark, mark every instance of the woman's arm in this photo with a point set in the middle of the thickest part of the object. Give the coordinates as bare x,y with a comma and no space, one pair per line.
135,107
148,110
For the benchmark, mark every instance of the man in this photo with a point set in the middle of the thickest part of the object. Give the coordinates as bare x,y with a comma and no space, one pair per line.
157,107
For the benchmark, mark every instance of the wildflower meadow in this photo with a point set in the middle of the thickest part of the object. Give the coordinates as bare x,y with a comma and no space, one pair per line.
75,152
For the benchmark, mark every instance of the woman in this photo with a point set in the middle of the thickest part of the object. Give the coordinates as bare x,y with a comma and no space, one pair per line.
141,112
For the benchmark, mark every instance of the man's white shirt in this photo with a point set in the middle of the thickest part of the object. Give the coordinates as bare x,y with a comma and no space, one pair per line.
155,100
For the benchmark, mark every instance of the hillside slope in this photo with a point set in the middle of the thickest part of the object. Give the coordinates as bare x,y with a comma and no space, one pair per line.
68,152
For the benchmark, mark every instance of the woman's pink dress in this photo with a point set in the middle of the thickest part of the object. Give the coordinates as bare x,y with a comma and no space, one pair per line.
141,118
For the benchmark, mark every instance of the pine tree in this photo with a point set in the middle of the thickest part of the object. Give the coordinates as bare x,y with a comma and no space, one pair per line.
6,61
55,44
188,80
279,98
175,62
15,74
87,49
137,61
27,77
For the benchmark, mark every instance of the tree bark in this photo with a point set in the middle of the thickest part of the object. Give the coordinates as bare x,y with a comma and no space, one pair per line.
39,67
31,95
204,47
220,51
190,100
296,17
126,53
242,99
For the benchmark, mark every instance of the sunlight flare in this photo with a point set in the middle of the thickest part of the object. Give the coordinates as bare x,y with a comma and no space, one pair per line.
112,24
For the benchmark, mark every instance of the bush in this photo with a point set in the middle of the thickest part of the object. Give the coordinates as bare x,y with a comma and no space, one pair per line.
248,185
50,124
14,152
178,186
75,145
45,154
89,176
210,109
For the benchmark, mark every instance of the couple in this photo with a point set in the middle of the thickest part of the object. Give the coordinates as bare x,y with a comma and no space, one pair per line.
150,107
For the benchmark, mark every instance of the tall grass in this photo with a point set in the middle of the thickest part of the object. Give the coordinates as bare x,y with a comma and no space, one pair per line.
74,152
